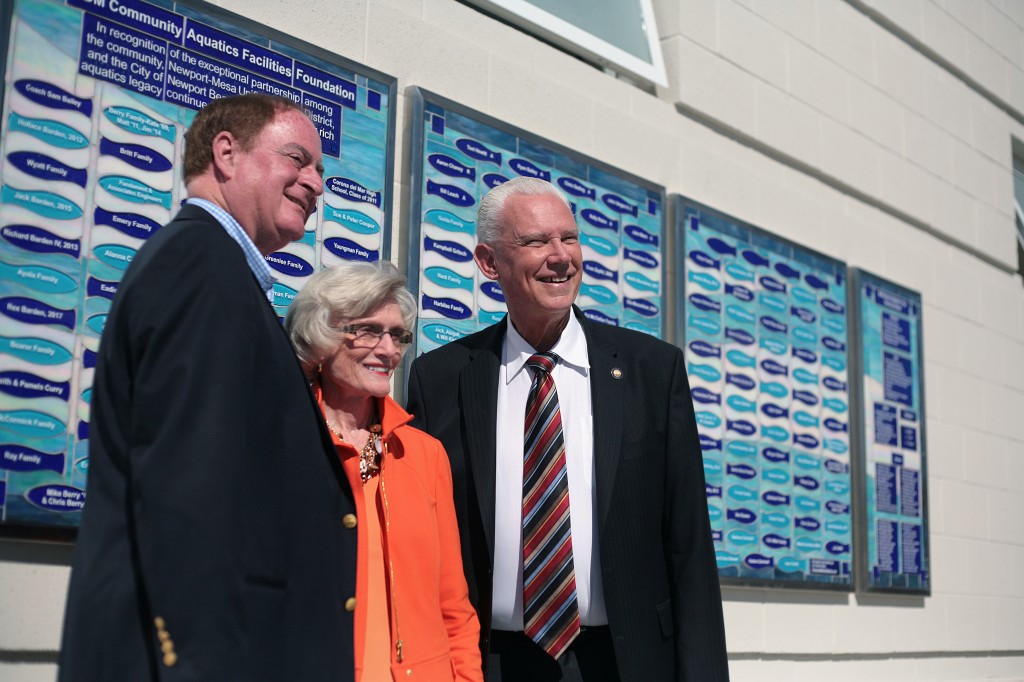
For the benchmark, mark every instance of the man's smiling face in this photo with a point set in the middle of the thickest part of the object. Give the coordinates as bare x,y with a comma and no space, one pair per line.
537,260
277,182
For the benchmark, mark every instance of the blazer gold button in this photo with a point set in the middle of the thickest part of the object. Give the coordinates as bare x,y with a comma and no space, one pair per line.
349,521
170,658
159,622
162,635
167,647
408,672
350,604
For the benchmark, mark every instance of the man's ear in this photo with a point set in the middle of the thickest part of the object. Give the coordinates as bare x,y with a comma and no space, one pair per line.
225,149
483,254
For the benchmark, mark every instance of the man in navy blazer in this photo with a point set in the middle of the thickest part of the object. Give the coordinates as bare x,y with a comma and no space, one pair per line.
646,582
212,544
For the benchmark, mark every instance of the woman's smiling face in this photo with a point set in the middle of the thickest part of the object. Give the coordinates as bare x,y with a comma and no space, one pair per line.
360,369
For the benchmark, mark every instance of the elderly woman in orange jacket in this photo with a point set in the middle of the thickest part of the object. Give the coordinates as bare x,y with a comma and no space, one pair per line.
350,326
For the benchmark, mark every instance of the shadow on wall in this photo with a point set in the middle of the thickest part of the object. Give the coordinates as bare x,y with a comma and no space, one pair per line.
27,552
788,596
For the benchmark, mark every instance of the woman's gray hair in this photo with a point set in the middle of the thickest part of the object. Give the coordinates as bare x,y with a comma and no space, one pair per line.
337,294
489,215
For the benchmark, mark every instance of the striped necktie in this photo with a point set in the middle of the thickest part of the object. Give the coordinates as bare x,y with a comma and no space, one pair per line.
550,612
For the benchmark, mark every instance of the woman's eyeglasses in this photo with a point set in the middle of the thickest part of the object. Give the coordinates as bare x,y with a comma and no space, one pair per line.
369,335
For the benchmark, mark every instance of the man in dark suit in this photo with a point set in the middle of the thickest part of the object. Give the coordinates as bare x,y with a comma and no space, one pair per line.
214,543
638,597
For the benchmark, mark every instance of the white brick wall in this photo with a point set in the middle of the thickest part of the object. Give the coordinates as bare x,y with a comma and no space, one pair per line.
752,85
33,604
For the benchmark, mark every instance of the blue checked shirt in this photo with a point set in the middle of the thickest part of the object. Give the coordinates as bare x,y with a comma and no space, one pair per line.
253,257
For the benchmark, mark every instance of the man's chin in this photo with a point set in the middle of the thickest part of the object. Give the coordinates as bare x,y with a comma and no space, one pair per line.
267,247
293,233
553,307
561,301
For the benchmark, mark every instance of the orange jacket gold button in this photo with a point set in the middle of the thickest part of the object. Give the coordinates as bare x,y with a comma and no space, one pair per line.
350,604
349,521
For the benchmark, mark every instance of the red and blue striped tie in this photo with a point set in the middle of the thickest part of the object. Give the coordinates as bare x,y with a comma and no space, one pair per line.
550,612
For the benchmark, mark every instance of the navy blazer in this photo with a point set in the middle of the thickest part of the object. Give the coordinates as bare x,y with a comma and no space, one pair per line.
213,519
657,558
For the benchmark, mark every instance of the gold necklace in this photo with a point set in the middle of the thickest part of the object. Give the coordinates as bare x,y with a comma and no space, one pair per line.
369,456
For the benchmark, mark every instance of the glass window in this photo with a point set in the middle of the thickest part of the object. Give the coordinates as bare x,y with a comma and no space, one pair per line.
617,34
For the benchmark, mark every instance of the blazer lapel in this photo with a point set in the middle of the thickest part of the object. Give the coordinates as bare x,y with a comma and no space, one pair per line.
606,405
478,388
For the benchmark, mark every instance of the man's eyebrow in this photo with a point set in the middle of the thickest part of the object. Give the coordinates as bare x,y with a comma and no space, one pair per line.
524,237
544,237
296,147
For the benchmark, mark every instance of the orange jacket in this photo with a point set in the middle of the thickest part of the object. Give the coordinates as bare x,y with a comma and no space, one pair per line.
433,624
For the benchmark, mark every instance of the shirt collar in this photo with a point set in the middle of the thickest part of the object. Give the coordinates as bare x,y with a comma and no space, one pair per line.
257,263
571,349
391,413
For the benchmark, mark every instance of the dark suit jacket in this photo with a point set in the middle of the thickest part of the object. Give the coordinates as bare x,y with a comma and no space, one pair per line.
657,557
214,500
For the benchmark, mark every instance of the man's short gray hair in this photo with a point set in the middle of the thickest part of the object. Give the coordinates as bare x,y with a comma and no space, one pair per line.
337,294
489,216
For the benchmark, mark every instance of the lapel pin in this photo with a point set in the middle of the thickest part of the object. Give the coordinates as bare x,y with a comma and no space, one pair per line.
616,373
